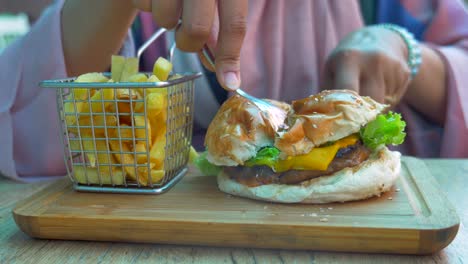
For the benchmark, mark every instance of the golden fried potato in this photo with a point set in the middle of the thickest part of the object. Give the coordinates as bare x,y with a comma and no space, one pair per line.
127,160
156,175
130,68
141,152
158,151
142,133
117,65
80,172
97,101
86,129
162,68
75,100
91,77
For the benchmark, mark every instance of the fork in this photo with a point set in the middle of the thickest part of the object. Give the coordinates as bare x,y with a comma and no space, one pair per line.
275,114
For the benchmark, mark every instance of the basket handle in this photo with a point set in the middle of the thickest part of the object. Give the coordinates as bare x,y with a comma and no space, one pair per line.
148,42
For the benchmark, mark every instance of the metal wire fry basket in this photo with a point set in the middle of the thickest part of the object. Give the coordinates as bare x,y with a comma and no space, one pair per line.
126,137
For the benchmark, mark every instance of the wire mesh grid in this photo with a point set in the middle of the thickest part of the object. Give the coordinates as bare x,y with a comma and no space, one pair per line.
126,137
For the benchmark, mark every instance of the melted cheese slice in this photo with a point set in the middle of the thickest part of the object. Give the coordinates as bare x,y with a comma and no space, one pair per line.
316,159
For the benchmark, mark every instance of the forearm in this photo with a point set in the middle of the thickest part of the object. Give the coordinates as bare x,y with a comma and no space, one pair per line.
427,91
92,31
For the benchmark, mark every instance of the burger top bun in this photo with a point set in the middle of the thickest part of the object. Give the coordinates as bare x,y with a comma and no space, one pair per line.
327,116
237,131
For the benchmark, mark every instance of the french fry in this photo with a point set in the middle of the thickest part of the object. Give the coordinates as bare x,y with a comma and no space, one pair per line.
96,101
162,68
117,65
128,163
124,106
140,149
152,78
156,107
141,133
78,95
156,101
91,146
139,77
126,133
127,160
101,158
75,144
98,156
124,113
124,109
126,94
86,129
156,175
109,120
105,160
155,79
158,125
158,152
74,105
89,150
80,172
91,77
130,68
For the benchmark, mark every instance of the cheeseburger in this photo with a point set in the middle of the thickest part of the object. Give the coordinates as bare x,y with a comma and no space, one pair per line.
331,148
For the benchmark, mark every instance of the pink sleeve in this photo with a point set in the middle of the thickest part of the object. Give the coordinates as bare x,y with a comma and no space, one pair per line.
448,33
30,145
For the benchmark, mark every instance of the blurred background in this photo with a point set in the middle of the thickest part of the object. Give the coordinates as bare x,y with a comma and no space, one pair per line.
16,17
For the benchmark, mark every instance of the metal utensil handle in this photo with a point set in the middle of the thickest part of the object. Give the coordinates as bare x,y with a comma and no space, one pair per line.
209,57
148,42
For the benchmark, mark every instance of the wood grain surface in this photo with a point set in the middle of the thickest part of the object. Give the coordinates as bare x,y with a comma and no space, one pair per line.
17,247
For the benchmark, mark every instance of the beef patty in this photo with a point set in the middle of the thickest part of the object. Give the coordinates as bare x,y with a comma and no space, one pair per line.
349,156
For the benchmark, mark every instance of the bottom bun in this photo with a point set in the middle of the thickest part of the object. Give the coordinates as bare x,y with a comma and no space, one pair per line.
372,177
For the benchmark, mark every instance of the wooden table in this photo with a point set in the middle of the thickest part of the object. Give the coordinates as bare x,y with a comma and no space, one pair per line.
16,247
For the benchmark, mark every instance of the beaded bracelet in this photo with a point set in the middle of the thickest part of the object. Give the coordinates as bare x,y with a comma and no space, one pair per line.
414,51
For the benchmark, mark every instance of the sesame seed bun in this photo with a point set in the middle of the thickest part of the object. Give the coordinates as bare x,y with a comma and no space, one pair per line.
327,116
238,131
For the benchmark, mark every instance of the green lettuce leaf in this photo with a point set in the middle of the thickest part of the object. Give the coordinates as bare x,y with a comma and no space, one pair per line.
384,130
265,156
207,168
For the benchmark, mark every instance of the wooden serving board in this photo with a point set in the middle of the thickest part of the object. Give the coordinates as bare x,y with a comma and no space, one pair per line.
413,218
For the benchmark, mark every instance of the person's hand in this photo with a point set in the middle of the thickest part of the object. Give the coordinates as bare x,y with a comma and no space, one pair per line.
371,61
219,23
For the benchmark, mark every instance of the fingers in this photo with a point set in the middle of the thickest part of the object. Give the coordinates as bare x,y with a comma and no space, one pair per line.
201,25
197,21
233,19
373,86
343,71
346,77
211,43
166,13
143,5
